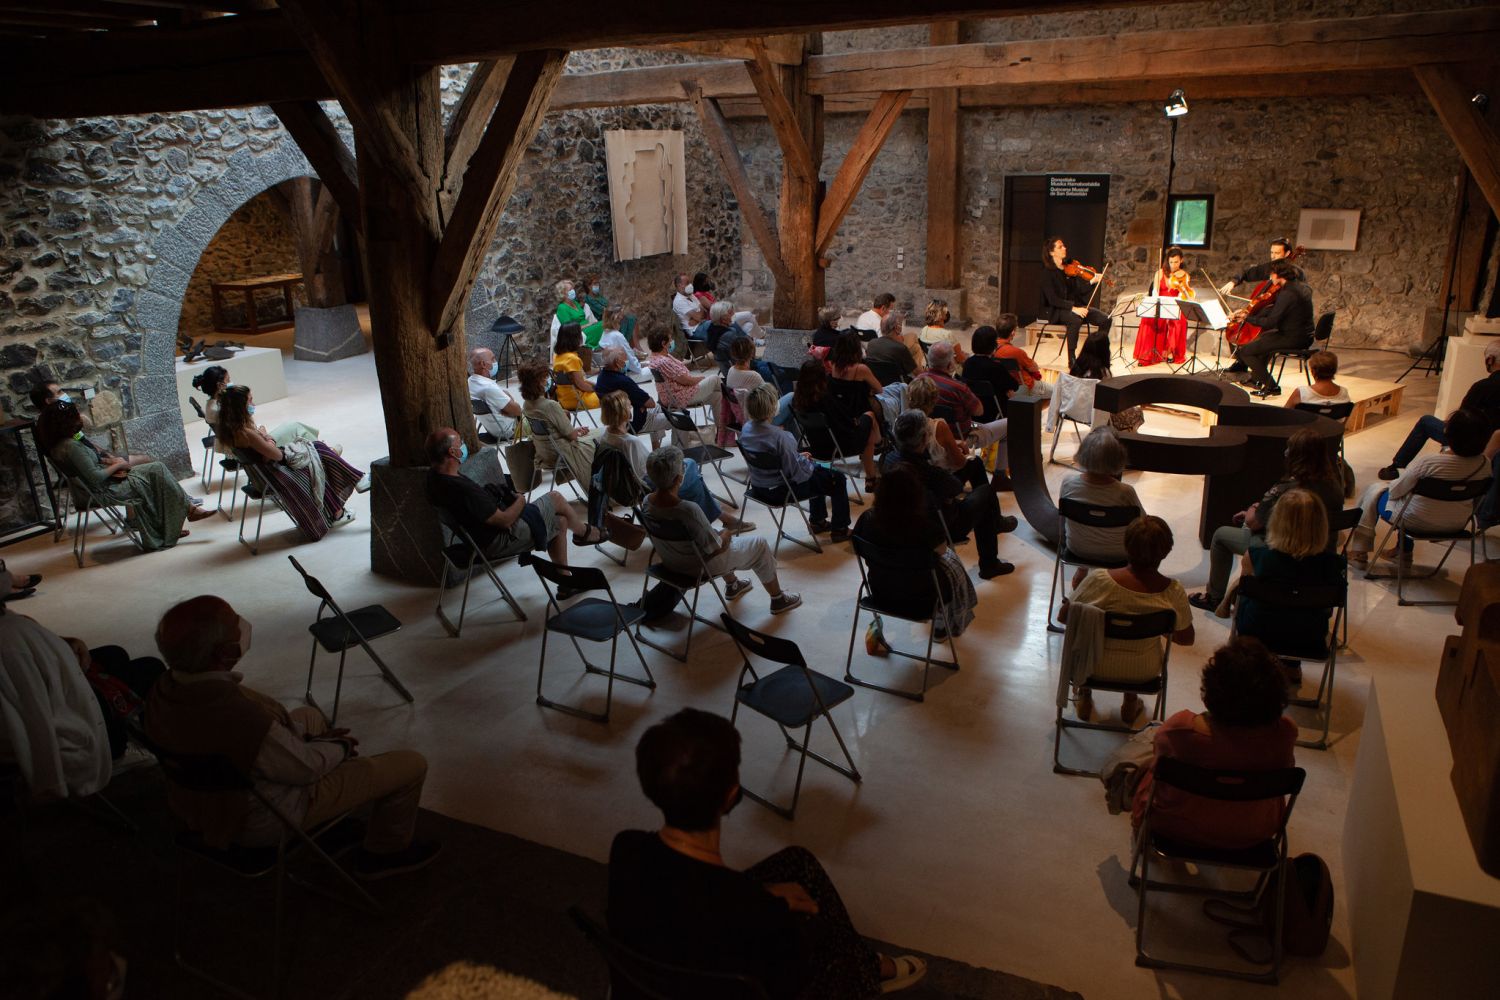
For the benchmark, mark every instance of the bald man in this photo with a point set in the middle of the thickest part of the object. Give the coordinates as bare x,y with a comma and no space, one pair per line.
504,411
309,772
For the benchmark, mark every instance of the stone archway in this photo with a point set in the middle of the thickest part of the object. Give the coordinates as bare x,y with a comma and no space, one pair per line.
156,426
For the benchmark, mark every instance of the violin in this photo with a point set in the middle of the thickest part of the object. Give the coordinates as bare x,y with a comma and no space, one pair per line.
1073,269
1240,332
1180,282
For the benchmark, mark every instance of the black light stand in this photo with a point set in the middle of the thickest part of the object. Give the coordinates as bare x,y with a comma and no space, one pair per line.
1430,361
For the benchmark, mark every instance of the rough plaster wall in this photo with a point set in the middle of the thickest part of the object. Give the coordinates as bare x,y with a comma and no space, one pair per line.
256,241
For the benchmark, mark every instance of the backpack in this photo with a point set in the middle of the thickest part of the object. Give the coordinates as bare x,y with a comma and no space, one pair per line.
1306,910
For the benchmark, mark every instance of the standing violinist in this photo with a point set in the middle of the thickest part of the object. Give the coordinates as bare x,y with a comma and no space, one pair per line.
1285,325
1065,297
1159,339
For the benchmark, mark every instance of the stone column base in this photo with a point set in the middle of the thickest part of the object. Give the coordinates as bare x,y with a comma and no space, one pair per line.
406,539
328,334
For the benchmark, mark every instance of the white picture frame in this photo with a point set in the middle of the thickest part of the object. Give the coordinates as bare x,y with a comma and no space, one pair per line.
1328,228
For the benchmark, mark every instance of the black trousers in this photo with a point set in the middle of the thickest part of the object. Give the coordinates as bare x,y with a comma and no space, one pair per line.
977,513
1073,322
1257,354
138,674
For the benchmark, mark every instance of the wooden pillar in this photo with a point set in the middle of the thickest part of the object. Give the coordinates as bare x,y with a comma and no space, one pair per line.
1472,233
314,218
942,174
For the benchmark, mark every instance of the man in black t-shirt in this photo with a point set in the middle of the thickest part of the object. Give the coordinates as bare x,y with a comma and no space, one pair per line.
498,518
1483,397
1285,325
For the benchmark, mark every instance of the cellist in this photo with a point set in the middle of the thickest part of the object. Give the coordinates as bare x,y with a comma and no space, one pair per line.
1065,299
1285,325
1256,274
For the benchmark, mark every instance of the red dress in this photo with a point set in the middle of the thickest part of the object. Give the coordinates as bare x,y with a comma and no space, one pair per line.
1159,339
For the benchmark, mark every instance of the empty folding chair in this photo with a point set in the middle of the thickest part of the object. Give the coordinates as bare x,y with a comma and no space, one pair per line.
704,453
206,477
460,556
631,971
594,619
1469,491
776,499
341,630
794,697
1265,859
1080,512
1290,598
1157,625
672,534
919,600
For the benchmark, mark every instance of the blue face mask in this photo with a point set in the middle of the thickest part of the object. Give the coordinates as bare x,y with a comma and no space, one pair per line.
250,408
463,452
572,294
494,368
594,289
63,397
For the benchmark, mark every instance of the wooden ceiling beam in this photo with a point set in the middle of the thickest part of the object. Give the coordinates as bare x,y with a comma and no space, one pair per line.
1478,140
783,50
64,20
784,122
116,12
320,142
466,127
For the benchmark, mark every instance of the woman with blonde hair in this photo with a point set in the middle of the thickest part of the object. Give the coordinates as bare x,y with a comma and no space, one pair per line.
936,329
944,451
571,309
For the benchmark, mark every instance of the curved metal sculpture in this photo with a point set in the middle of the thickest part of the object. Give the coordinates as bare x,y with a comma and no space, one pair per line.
1243,455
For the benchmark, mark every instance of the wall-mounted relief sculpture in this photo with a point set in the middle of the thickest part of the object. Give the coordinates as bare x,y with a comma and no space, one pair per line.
647,192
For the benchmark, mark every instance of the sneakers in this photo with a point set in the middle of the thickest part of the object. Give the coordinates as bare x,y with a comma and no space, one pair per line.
785,601
909,971
741,527
368,867
1205,601
1389,472
736,589
990,570
1006,524
363,486
347,517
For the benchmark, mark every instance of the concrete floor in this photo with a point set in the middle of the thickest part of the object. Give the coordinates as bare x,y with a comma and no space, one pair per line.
960,840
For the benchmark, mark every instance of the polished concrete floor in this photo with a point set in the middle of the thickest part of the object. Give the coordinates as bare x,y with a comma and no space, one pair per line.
960,840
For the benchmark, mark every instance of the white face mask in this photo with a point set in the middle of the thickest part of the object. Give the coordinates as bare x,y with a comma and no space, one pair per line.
244,637
687,289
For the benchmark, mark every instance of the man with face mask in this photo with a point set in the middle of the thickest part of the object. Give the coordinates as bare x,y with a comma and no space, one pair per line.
310,772
504,411
687,307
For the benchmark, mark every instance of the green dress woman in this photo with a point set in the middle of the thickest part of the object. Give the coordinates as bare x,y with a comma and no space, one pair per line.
571,310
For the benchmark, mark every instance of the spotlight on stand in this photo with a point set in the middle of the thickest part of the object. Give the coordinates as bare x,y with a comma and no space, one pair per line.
1177,104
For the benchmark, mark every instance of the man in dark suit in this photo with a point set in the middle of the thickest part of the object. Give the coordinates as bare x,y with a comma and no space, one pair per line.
1285,325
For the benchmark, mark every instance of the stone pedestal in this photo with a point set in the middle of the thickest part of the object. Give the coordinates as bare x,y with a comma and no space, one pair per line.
406,539
328,334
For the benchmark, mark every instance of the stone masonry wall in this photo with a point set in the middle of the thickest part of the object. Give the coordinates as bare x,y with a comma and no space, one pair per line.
256,241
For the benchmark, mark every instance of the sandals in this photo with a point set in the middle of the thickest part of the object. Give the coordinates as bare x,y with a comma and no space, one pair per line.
909,971
593,536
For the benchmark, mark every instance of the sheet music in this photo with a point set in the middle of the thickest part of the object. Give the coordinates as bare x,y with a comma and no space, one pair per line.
1158,307
1214,313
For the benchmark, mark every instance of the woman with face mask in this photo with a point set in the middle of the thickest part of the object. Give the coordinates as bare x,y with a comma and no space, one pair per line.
571,308
212,382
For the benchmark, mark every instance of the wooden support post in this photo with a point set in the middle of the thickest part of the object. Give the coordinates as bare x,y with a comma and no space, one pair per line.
1473,132
324,148
1473,230
716,130
314,217
942,174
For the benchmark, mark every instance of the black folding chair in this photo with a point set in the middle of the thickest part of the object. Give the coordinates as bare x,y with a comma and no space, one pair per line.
339,632
1332,598
684,583
1095,515
819,440
1345,520
1333,411
541,432
920,602
1265,859
885,372
259,486
661,980
91,503
1469,491
1322,334
987,398
206,477
460,555
793,697
482,409
776,499
216,774
707,455
593,619
1157,625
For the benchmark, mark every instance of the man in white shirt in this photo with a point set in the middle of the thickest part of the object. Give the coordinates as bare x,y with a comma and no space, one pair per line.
688,309
871,318
504,411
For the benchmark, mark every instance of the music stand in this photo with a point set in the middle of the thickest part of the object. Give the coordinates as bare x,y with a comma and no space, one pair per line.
1117,317
1158,308
1201,314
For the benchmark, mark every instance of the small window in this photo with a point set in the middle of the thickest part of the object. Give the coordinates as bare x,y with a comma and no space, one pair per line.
1192,217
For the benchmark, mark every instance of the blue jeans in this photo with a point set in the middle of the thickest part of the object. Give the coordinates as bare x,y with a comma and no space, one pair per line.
1428,428
825,482
695,490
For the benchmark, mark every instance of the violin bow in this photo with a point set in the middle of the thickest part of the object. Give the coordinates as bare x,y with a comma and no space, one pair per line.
1098,284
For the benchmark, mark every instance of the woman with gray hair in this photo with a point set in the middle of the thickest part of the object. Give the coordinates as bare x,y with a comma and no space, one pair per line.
721,552
1101,460
810,481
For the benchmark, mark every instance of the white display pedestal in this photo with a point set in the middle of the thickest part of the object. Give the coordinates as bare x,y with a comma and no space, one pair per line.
1463,365
258,367
1424,918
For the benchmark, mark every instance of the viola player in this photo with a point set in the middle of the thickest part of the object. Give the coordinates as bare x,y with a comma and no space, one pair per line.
1256,275
1065,298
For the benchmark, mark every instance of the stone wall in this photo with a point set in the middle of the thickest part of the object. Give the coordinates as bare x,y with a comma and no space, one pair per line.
256,241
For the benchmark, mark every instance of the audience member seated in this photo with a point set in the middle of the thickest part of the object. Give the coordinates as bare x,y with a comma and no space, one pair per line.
500,520
869,322
1092,362
676,387
978,511
740,328
616,413
646,417
960,399
846,361
311,772
855,433
1309,466
689,311
1101,460
1295,553
121,684
810,480
896,347
1242,729
154,502
720,324
722,553
749,372
504,411
614,317
574,391
44,394
903,520
936,331
312,480
945,452
827,331
575,445
1466,433
1482,398
594,299
703,291
1006,349
1137,589
1323,365
212,381
673,898
51,730
571,311
984,365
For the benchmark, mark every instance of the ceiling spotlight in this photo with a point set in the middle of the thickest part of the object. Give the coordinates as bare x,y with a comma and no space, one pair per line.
1480,100
1177,104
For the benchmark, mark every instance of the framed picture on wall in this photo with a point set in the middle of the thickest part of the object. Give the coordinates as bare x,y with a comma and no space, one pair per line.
1328,228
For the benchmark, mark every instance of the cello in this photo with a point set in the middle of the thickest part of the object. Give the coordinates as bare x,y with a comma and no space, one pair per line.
1241,332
